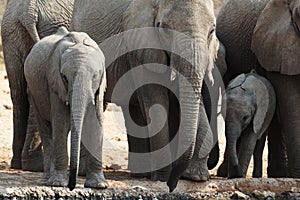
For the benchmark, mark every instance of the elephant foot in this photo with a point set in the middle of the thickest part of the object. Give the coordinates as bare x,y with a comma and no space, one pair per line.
96,180
222,170
58,179
15,163
235,172
197,171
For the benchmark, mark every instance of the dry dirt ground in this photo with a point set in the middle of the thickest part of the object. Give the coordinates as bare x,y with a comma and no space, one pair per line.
27,184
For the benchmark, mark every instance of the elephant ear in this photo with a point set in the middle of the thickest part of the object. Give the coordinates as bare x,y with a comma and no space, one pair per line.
265,102
276,37
236,82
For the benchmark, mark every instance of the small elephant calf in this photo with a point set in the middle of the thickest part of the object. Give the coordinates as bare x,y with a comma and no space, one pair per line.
251,103
65,74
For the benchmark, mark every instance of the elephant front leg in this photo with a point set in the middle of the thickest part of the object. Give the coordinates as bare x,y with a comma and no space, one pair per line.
258,157
154,101
45,130
277,158
198,170
60,127
94,173
135,145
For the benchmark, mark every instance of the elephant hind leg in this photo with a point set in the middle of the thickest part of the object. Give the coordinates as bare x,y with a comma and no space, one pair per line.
32,155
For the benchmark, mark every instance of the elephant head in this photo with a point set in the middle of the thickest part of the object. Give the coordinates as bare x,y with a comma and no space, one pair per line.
276,37
185,31
250,107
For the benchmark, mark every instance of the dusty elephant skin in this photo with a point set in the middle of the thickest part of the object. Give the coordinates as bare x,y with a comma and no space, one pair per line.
71,98
258,36
251,102
104,19
23,24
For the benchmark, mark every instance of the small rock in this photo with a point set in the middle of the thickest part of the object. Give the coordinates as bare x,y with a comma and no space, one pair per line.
239,195
264,194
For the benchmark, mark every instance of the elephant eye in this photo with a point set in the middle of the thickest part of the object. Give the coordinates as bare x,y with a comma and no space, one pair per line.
211,32
64,79
246,118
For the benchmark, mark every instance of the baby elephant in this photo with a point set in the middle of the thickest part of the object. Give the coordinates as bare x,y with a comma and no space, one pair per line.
65,73
251,103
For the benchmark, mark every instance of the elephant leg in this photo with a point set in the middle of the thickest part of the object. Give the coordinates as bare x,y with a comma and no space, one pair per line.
287,89
45,130
198,170
19,98
277,158
16,45
258,157
161,139
158,140
223,168
60,128
32,154
94,173
246,146
136,145
82,160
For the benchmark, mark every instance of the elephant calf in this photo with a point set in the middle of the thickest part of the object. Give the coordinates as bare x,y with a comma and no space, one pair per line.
65,73
251,102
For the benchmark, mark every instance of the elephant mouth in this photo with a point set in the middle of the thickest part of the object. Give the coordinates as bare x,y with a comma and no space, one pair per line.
293,21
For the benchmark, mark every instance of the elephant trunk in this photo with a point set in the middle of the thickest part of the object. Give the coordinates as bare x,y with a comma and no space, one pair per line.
190,83
233,131
80,99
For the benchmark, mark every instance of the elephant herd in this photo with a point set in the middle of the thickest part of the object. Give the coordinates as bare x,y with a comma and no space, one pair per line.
164,63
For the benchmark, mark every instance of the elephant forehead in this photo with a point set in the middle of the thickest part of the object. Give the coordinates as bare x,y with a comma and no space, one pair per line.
82,55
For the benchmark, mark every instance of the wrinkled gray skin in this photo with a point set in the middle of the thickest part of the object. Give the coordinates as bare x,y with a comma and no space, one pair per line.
250,108
65,73
103,19
268,27
23,24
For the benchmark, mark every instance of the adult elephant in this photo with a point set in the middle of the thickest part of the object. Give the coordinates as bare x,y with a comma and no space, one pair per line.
23,24
198,44
266,37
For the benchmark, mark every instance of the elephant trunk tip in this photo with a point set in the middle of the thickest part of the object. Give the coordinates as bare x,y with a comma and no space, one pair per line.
72,179
172,183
